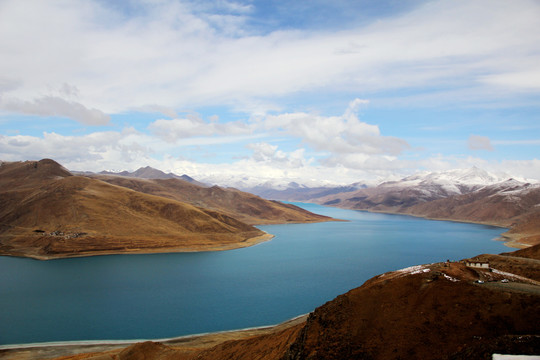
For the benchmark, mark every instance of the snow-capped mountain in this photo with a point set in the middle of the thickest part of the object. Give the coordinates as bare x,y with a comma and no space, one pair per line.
452,181
415,189
423,186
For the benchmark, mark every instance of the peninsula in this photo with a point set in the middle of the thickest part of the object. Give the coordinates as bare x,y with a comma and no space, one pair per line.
49,213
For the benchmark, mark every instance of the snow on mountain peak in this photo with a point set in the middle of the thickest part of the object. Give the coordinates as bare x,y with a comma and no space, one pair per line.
471,176
476,176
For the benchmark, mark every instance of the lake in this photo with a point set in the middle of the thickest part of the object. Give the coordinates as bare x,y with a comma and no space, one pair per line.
167,295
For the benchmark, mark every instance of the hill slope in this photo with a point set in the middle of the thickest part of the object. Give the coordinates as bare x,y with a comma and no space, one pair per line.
47,213
243,206
510,203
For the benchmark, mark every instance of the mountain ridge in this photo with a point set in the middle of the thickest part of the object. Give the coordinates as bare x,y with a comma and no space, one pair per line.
149,172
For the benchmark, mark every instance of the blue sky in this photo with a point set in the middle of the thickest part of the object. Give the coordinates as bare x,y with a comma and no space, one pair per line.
317,92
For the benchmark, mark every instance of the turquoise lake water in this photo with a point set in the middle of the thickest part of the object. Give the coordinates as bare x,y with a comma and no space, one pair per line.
167,295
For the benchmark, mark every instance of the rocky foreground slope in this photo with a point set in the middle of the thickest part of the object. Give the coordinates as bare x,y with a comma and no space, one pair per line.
434,311
47,213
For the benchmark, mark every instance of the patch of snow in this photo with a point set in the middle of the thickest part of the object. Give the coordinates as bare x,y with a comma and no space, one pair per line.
450,278
450,182
520,189
417,269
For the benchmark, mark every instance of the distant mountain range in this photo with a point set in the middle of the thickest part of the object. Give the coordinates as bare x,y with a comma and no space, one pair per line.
471,195
144,173
446,183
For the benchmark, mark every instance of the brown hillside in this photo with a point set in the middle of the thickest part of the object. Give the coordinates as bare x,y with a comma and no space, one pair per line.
59,215
525,262
243,206
497,204
22,174
386,198
425,312
508,204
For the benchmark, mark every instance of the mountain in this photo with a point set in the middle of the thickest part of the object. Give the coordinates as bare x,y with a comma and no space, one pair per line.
296,192
434,311
150,173
47,213
241,205
420,187
510,203
471,195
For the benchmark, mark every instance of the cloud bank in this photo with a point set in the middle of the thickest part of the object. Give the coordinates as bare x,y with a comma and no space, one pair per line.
177,54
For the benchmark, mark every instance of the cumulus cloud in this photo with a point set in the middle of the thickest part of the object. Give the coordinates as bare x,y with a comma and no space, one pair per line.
338,135
271,155
195,126
477,142
56,106
103,150
129,149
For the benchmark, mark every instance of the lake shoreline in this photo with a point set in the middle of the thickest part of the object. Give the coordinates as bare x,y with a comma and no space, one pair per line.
141,251
510,240
513,241
50,350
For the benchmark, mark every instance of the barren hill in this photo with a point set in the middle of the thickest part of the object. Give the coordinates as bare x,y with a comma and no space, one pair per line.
47,213
243,206
509,203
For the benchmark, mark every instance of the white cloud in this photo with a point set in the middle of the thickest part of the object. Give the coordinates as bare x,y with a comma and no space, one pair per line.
56,106
477,142
85,60
103,150
338,135
524,80
271,155
174,54
194,126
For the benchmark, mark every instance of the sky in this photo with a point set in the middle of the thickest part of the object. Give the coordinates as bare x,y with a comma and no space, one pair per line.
316,92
